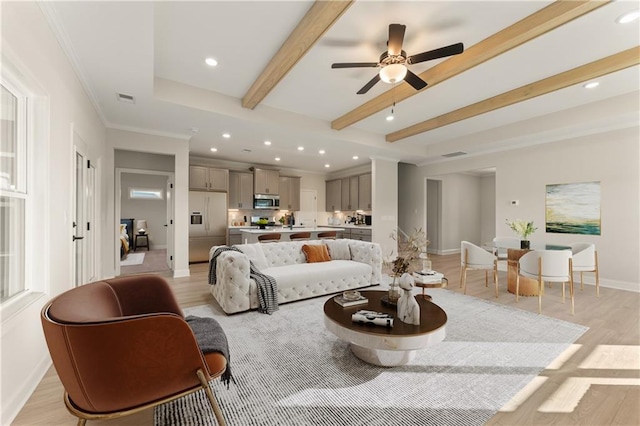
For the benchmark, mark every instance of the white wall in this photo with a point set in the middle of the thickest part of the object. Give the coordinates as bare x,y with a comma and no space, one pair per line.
384,194
611,157
31,46
487,208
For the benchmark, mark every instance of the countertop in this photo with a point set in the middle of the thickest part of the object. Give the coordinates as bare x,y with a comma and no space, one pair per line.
349,226
286,230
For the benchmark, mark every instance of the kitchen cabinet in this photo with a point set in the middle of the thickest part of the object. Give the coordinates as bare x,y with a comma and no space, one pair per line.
289,193
333,196
235,236
361,234
364,192
266,181
349,193
240,190
203,178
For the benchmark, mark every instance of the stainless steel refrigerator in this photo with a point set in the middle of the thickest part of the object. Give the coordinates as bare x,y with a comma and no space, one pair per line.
207,224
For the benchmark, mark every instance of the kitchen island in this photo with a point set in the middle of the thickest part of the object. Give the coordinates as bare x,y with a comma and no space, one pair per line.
251,235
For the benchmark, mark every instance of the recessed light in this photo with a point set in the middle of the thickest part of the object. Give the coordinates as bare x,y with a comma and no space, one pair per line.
355,157
389,117
211,62
194,130
301,148
277,158
628,17
591,85
327,165
226,135
267,143
321,152
214,149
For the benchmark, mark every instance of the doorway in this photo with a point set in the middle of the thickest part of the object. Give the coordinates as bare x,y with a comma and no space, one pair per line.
434,209
145,203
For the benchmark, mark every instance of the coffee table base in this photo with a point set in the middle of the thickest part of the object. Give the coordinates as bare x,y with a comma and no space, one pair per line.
382,357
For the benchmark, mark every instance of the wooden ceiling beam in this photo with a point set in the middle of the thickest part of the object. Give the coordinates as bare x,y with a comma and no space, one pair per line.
540,22
320,17
619,61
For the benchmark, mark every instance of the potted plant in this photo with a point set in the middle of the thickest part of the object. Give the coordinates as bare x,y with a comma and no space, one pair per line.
523,229
262,223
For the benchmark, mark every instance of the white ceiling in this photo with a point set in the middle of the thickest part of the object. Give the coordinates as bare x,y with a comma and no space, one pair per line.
155,51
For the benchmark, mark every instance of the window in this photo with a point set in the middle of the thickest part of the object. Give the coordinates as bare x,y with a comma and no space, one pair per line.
13,191
146,194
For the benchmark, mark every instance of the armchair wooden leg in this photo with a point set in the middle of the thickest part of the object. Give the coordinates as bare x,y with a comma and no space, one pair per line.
495,279
571,292
597,277
82,422
486,278
461,272
563,283
517,286
581,283
540,287
464,280
212,399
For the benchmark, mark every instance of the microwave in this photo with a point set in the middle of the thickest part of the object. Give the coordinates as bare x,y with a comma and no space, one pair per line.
266,202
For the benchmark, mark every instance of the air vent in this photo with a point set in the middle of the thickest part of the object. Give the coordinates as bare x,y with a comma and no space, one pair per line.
126,98
454,154
246,150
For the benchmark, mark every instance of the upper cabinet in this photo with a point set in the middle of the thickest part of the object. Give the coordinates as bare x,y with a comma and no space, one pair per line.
289,193
349,193
203,178
333,195
266,181
364,192
240,190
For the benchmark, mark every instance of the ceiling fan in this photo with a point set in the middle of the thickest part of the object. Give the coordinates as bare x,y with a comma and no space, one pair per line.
393,63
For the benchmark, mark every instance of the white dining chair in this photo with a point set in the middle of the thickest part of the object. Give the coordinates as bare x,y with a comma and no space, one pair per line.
502,244
550,266
475,257
585,259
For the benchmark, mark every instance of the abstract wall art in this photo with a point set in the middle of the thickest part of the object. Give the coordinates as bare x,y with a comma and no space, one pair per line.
573,208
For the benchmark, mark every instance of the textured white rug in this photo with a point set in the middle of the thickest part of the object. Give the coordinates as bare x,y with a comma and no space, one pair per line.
289,370
133,259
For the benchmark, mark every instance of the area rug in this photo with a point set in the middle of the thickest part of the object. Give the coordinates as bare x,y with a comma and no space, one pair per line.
133,259
289,370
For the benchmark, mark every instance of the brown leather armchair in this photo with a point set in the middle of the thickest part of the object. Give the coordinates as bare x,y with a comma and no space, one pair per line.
122,345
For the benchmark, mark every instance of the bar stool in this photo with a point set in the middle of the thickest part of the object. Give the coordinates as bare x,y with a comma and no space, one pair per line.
268,238
328,235
300,236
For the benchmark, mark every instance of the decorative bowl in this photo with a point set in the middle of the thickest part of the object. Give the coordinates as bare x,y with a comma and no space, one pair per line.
351,295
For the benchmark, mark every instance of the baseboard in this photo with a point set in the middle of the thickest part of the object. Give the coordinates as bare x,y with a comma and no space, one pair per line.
606,283
179,273
448,251
18,399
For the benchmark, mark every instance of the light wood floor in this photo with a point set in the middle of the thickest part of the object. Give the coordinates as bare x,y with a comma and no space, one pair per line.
601,375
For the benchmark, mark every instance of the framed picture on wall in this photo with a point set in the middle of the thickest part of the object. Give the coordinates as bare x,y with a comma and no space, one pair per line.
573,208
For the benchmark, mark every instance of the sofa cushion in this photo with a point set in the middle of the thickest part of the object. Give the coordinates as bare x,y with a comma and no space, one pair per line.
316,253
338,249
255,254
301,281
286,252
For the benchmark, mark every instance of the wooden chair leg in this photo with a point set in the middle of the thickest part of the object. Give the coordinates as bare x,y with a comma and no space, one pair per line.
571,293
461,272
464,281
486,278
597,277
82,422
212,399
581,283
517,285
495,278
540,287
563,283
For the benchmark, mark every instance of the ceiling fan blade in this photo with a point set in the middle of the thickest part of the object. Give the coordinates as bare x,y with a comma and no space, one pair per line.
443,52
396,37
369,85
355,65
415,81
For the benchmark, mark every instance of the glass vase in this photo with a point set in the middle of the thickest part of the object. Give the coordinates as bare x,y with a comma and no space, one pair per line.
394,291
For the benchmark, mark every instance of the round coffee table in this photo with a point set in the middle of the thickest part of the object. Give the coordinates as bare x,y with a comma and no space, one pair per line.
386,346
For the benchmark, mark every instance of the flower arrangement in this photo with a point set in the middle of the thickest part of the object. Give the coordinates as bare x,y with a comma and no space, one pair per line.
522,228
410,247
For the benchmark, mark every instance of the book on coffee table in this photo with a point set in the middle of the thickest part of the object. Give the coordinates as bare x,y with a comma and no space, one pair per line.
345,303
373,317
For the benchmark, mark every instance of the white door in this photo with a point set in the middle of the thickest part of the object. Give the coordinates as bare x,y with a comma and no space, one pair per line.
308,215
84,218
169,225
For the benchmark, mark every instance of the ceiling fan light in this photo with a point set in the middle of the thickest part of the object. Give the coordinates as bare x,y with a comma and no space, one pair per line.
393,73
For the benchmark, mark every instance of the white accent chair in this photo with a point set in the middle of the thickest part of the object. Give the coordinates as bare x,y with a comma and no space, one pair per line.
585,259
547,265
501,244
474,257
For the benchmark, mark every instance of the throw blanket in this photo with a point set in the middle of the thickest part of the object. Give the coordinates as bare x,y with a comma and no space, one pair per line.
211,338
267,287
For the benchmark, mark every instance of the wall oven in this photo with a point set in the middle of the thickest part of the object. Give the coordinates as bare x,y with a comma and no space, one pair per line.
266,202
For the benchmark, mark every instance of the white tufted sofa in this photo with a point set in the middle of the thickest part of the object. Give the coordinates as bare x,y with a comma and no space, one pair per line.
354,264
